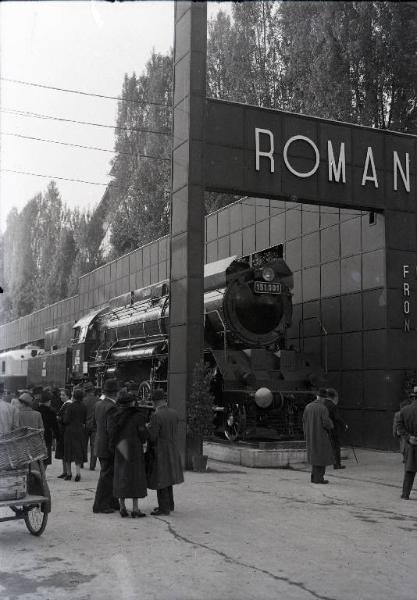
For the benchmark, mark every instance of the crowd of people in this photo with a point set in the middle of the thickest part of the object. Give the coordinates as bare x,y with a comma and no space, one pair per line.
135,444
137,447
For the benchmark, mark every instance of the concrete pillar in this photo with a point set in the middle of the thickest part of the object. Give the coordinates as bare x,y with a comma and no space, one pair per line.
187,205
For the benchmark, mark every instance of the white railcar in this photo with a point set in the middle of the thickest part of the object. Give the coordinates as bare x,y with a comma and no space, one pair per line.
14,367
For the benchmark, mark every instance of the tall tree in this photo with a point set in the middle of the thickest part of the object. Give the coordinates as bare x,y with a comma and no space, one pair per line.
57,281
24,283
46,228
141,168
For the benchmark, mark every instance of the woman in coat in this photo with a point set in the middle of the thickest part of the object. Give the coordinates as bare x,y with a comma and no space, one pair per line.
74,419
165,464
317,425
127,434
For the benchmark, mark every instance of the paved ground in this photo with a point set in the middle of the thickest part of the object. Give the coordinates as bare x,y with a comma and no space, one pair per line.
237,534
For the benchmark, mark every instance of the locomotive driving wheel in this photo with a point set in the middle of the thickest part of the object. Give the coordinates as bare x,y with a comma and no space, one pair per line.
234,421
144,392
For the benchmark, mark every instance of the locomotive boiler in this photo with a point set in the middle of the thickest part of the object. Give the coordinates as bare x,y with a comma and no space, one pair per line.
257,382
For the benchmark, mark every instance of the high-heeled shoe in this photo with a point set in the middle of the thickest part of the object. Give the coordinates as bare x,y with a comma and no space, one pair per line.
77,478
137,513
67,477
123,512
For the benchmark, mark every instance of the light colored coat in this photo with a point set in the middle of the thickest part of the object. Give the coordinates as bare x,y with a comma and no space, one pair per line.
29,417
9,417
316,425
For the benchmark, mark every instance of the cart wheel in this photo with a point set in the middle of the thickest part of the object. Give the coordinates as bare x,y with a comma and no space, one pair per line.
36,520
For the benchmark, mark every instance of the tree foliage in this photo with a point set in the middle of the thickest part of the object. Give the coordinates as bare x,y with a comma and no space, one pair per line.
200,403
141,168
44,250
351,61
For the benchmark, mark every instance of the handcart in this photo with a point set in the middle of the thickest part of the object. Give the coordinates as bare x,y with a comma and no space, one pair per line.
23,486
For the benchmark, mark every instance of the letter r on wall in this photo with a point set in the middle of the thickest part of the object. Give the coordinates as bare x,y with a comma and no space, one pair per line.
269,153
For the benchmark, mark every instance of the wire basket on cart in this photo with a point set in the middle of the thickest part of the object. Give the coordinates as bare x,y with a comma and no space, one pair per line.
21,447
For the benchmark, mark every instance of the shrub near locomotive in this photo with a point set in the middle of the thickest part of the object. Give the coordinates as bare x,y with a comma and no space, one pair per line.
247,309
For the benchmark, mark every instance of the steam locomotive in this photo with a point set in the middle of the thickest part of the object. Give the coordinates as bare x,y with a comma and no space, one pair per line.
257,382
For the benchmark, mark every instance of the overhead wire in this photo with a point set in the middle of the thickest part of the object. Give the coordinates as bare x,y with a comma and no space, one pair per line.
52,177
80,92
37,139
23,113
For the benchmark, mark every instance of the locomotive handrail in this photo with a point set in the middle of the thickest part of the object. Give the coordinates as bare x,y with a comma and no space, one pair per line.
323,330
224,330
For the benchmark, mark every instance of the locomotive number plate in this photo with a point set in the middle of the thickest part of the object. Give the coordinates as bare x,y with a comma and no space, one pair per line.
265,287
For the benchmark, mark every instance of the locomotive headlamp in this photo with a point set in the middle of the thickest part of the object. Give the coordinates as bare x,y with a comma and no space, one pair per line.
268,274
263,397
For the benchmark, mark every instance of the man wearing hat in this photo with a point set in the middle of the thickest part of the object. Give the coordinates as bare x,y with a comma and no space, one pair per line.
90,400
317,425
165,469
104,502
407,427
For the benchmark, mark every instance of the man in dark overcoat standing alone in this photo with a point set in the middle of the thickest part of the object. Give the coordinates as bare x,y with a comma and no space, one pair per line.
165,469
104,501
317,425
407,427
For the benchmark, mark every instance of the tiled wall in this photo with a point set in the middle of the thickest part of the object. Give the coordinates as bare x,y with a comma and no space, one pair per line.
146,265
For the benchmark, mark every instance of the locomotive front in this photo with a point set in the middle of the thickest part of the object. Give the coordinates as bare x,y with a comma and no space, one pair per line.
260,386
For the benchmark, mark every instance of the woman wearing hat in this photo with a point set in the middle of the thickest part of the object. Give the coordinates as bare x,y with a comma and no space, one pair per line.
74,435
27,416
127,433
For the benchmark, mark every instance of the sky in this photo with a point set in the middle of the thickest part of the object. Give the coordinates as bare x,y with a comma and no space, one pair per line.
86,46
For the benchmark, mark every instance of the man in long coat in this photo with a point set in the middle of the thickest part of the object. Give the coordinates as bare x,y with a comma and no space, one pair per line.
317,425
407,427
166,469
104,502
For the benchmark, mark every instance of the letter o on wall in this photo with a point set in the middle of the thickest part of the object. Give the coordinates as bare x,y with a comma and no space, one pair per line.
316,151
